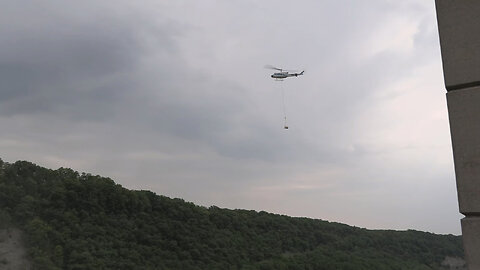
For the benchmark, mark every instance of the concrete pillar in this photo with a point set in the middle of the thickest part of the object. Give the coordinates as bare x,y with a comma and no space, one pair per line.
464,114
471,241
459,29
459,26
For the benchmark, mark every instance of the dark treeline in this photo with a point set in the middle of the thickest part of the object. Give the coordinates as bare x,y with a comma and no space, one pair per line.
81,221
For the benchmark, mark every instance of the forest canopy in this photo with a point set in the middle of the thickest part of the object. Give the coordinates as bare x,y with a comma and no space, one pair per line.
77,220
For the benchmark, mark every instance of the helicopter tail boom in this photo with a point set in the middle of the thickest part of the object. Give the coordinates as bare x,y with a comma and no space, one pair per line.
298,74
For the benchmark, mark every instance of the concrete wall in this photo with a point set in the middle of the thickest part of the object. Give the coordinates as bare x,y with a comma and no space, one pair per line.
471,241
459,29
464,114
458,26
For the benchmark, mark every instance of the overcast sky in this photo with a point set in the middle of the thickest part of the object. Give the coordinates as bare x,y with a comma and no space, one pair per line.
173,96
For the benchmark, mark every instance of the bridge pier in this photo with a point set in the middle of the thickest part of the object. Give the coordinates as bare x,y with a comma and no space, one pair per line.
459,30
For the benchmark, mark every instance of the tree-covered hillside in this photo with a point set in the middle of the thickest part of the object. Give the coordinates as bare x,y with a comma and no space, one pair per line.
81,221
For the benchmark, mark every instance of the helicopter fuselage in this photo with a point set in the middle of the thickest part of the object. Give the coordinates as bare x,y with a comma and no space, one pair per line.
283,75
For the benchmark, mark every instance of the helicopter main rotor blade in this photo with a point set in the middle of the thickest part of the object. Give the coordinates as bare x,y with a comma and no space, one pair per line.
272,67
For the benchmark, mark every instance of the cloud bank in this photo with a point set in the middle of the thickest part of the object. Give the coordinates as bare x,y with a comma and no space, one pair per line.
173,97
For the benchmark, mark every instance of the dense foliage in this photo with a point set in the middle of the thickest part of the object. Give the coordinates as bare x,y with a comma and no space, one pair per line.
80,221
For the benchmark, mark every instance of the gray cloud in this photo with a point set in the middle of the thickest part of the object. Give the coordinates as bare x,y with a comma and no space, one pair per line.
173,97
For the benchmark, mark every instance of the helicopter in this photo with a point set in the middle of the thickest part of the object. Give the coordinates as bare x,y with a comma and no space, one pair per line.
279,76
283,73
